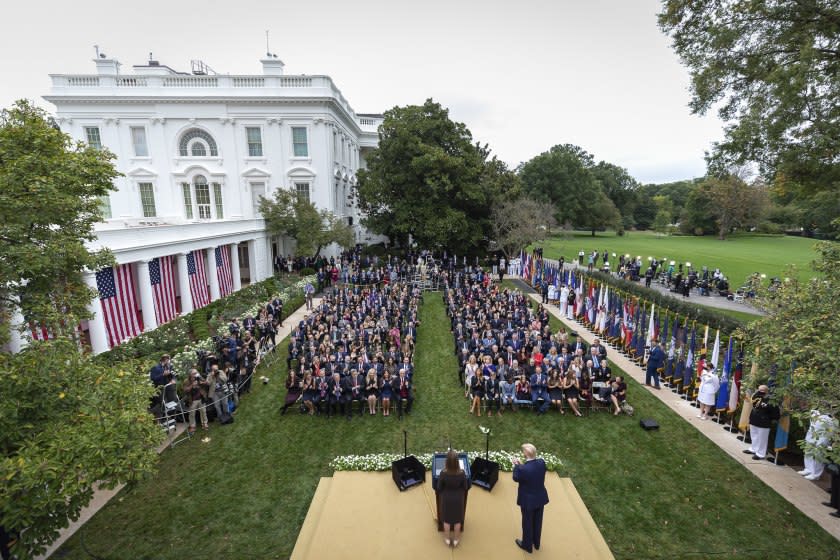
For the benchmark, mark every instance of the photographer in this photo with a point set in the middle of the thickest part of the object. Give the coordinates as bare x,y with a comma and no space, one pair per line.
216,381
161,373
194,389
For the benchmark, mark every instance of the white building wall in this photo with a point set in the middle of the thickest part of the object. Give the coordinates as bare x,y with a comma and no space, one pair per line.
166,105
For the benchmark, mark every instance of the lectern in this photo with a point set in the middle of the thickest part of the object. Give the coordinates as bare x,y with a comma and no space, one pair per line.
438,464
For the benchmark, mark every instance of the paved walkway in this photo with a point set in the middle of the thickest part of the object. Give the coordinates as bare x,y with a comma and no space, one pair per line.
708,301
804,495
102,496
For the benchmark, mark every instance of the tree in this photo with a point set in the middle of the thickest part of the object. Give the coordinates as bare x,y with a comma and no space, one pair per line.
801,325
290,215
771,67
50,192
698,216
734,202
664,213
68,424
518,223
620,187
427,181
600,213
561,177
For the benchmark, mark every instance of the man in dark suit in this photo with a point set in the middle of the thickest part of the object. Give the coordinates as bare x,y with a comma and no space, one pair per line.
531,496
656,360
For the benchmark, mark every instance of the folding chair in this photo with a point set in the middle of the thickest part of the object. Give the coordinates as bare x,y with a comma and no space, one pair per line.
599,402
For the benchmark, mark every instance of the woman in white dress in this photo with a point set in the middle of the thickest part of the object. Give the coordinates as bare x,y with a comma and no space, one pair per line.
564,296
470,369
709,385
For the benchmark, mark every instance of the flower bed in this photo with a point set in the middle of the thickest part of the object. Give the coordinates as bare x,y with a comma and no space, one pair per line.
382,461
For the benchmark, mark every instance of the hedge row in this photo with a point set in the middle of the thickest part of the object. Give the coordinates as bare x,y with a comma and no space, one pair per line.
702,315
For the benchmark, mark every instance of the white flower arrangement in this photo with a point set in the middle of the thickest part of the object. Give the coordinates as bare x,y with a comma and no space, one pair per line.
382,461
182,362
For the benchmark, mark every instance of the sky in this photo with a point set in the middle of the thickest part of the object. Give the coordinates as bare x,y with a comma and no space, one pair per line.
523,76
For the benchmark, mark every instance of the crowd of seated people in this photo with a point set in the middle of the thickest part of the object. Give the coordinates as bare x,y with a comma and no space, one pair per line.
509,356
357,346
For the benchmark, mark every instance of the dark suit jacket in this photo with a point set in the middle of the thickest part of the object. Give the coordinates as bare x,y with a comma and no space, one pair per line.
531,478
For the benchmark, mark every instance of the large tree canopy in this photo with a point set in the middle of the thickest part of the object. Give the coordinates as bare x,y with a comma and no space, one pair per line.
67,425
50,189
772,67
799,334
428,180
563,177
290,215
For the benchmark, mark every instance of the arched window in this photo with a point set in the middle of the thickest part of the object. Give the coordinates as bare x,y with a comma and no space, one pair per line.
197,143
203,200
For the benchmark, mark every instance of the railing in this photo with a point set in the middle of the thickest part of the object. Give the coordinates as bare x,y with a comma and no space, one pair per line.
248,81
191,81
365,121
295,81
83,81
131,81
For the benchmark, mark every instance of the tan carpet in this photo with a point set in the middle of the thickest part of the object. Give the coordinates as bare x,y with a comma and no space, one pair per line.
362,515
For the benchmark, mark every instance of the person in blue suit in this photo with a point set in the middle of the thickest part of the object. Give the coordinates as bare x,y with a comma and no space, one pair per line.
531,496
656,360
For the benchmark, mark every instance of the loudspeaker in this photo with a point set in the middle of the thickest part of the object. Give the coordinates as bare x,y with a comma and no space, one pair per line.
484,473
648,424
408,472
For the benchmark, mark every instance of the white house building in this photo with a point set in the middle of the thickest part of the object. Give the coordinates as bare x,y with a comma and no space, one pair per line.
197,149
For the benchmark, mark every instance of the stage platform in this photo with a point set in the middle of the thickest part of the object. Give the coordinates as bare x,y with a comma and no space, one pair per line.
357,515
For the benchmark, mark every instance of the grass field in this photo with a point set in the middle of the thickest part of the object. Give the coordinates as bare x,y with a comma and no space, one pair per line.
665,494
737,257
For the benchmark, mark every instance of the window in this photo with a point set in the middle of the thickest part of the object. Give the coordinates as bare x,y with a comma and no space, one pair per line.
197,143
105,207
302,190
257,192
217,198
147,199
188,208
299,142
138,139
254,141
202,197
93,138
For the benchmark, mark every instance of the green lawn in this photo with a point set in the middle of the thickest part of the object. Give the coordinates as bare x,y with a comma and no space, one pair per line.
665,494
737,257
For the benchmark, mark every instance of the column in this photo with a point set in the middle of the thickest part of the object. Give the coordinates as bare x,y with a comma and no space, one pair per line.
96,323
17,341
261,257
252,261
147,298
234,266
210,270
184,284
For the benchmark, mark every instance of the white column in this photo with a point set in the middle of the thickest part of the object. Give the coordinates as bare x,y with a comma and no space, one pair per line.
234,266
147,298
17,341
261,258
184,284
252,261
210,270
96,324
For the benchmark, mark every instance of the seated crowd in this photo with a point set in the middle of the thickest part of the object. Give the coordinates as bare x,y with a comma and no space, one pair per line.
357,346
508,355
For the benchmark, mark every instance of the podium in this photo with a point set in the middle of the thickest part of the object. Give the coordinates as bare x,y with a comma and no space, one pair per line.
438,464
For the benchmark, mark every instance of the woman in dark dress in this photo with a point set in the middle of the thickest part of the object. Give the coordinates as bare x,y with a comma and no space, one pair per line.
452,487
293,391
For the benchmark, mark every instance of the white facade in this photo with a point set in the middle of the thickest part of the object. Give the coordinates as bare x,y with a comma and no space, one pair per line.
197,150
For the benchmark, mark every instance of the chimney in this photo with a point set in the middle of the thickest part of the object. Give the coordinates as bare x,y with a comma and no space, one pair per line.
107,66
272,66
